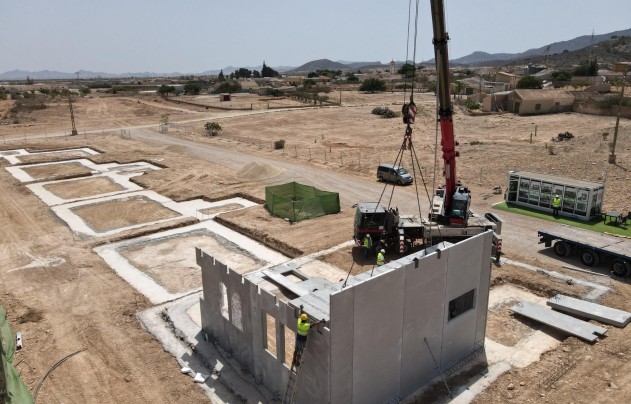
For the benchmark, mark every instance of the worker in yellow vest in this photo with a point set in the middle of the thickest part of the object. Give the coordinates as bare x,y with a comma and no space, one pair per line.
556,205
302,332
367,243
381,258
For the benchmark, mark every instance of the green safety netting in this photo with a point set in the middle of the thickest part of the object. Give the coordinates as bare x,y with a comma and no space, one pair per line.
298,202
10,383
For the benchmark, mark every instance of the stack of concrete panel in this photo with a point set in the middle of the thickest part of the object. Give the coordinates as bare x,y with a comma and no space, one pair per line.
559,321
598,312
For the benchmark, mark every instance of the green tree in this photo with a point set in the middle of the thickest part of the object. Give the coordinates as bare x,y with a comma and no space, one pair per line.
221,77
212,128
407,70
192,88
373,85
243,73
459,87
165,90
267,71
529,82
587,68
229,87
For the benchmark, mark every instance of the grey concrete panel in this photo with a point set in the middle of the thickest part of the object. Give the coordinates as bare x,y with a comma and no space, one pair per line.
314,384
559,321
378,321
285,282
342,334
594,311
423,315
463,275
483,288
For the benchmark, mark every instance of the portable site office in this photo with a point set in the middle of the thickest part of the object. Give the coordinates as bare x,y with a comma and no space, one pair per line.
579,199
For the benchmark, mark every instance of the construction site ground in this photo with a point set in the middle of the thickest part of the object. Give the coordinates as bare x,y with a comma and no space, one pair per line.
63,297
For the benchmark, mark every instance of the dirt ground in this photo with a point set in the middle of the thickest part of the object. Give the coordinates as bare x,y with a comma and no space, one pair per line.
57,171
82,303
83,188
118,213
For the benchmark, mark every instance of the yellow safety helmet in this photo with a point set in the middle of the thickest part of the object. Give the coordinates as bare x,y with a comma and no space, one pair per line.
303,317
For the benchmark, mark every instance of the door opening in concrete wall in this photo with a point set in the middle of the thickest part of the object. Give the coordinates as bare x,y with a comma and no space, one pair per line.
290,344
269,335
223,293
461,304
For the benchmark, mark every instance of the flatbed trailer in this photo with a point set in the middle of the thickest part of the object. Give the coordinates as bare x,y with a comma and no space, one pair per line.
591,246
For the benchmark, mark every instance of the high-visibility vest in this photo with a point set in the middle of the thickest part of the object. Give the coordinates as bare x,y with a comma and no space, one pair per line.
556,202
380,259
303,327
367,241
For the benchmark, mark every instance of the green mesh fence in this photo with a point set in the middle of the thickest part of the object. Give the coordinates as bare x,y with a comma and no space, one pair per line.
298,202
12,389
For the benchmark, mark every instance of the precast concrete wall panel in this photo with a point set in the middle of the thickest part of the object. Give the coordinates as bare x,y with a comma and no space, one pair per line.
424,308
482,303
378,322
466,261
342,336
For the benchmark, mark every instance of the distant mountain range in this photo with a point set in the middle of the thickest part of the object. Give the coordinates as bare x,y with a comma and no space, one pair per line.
475,58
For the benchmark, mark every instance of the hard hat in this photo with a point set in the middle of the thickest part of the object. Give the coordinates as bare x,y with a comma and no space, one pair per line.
383,251
303,317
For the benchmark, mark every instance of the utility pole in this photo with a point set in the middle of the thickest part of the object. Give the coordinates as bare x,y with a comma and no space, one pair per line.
74,128
617,67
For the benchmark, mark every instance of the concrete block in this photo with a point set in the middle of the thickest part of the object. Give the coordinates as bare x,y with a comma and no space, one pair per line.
559,321
598,312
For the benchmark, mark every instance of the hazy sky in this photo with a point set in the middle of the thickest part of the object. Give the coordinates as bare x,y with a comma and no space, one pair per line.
190,36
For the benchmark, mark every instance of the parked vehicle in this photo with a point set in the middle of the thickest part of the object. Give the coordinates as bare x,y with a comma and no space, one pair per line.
592,247
395,174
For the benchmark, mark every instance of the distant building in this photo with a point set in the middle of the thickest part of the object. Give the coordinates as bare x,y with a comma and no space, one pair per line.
509,80
534,102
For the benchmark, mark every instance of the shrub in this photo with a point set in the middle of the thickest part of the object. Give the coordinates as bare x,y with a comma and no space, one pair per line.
472,104
279,144
212,128
384,112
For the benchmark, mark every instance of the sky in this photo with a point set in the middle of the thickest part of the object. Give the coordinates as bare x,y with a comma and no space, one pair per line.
192,36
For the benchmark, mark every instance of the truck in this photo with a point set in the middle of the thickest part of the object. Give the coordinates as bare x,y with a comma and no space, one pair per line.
449,218
593,248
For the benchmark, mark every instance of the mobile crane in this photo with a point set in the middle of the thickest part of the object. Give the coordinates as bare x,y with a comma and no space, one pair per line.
449,218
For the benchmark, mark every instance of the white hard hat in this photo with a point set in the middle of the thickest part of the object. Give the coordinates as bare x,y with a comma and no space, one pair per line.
383,251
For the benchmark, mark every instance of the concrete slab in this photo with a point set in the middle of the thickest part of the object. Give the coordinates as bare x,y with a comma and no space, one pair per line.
567,324
14,156
594,311
158,293
79,225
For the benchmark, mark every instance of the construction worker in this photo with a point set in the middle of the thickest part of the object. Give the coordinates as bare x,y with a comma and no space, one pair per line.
381,259
556,205
367,243
302,331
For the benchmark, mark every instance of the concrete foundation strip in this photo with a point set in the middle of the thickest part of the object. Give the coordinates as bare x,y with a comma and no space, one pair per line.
598,312
559,321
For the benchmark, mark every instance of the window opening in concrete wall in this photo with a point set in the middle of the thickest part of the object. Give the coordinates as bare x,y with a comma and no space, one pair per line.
461,304
270,335
290,344
223,293
235,307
